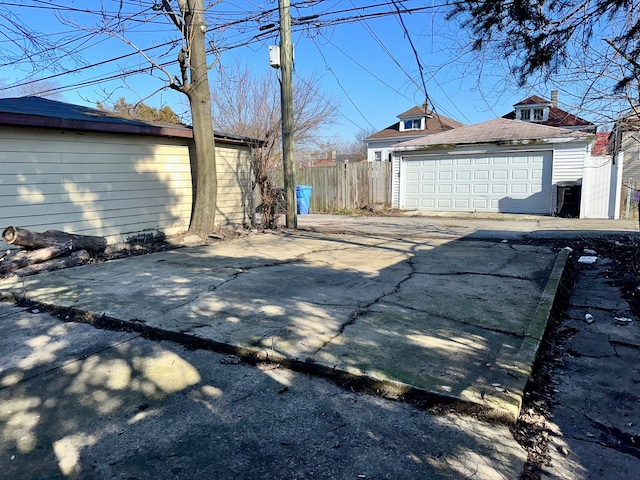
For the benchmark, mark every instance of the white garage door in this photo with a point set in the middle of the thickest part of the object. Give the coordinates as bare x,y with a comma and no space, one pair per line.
507,183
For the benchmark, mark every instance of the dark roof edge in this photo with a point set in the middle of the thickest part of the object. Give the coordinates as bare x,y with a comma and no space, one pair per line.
177,131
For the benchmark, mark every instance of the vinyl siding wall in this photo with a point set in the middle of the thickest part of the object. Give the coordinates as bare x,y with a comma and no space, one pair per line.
569,162
568,166
234,185
112,185
631,148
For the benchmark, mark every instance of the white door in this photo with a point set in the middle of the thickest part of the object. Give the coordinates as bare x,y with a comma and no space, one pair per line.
501,182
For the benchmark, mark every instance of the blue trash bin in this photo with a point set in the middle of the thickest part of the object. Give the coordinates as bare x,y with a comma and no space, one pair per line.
303,198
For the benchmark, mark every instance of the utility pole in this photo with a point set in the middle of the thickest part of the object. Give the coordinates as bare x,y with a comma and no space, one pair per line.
286,99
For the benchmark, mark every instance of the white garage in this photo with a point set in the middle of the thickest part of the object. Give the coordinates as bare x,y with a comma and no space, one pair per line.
502,165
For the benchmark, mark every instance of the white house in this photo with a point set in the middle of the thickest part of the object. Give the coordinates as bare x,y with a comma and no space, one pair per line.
538,110
87,171
414,123
503,165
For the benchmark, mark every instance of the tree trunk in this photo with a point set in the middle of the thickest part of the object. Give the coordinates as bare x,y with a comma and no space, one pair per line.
27,238
23,259
72,260
199,94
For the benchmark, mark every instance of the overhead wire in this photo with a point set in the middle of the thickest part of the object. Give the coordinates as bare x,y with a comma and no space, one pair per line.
342,88
299,24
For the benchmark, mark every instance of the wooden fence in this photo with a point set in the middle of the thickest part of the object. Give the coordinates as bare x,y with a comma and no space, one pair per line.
344,186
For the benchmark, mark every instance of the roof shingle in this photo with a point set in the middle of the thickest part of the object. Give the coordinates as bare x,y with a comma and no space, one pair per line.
496,131
434,124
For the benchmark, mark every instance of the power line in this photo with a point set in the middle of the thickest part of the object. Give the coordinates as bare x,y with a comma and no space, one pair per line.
342,88
317,20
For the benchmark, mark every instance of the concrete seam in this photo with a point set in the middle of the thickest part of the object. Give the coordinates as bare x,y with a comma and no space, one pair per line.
461,322
69,362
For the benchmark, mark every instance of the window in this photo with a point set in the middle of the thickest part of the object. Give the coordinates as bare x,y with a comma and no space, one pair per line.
538,114
413,124
377,155
525,115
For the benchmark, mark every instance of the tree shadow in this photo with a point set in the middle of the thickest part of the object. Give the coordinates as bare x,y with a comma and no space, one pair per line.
129,407
414,318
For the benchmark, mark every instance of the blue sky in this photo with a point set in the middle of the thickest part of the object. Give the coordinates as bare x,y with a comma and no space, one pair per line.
368,64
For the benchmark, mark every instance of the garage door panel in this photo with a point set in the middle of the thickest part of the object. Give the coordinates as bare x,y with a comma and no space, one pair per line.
514,183
480,204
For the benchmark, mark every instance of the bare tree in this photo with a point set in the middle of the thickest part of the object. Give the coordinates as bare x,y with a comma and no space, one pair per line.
24,47
194,83
187,16
589,49
33,88
249,105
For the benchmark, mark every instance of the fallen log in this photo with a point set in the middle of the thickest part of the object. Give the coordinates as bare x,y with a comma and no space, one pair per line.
25,258
27,238
74,259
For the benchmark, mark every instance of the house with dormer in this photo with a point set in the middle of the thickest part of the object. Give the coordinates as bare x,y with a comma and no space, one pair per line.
538,110
414,123
538,159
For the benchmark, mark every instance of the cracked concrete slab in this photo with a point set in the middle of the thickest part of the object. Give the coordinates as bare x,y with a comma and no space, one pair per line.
439,316
595,410
33,343
124,406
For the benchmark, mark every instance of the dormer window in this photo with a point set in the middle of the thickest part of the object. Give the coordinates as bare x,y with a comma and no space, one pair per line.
536,114
415,124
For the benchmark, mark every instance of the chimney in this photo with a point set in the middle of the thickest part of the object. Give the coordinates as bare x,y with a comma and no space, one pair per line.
554,98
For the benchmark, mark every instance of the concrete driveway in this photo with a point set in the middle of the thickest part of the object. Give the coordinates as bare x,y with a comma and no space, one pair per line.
408,312
454,321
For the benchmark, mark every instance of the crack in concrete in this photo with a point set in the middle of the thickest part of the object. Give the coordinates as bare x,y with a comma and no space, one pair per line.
462,322
363,309
482,274
623,344
71,361
619,441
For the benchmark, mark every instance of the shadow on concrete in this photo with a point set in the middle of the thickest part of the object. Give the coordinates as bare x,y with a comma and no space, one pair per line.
79,402
428,319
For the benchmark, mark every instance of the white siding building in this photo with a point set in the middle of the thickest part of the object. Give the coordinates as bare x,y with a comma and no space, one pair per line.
502,165
85,171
